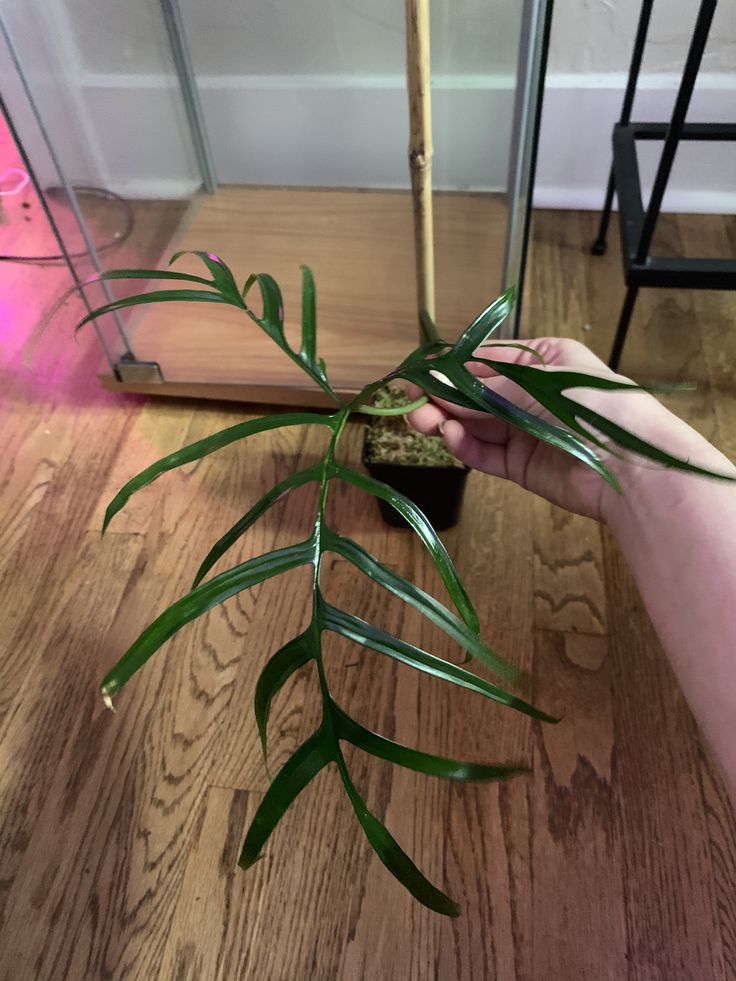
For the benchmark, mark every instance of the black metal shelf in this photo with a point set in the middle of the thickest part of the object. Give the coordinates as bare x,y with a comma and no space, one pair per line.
705,273
637,223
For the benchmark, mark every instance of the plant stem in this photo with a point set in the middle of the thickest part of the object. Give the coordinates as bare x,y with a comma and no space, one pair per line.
397,410
429,328
328,463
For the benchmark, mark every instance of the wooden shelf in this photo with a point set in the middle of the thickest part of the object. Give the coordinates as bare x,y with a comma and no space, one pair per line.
359,245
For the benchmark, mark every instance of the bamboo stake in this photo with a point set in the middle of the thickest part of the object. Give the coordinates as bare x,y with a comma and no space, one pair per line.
420,151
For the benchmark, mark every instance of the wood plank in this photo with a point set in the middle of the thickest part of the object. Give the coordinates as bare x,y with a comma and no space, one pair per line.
577,860
714,312
218,912
615,857
569,592
722,846
359,245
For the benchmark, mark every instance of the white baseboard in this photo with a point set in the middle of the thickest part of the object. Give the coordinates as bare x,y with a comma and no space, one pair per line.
679,202
324,131
575,142
152,189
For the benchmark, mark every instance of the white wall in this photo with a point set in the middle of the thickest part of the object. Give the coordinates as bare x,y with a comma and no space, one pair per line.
366,36
283,37
593,36
313,93
590,51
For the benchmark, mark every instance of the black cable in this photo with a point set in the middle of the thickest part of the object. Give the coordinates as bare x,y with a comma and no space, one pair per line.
105,247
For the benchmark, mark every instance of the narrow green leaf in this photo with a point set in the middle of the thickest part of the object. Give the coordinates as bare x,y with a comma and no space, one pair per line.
414,759
277,671
272,317
516,345
418,521
288,783
353,628
203,447
222,276
547,387
157,296
629,441
393,856
425,374
201,599
427,605
472,393
668,388
424,351
150,274
253,278
240,527
537,381
309,317
484,325
486,399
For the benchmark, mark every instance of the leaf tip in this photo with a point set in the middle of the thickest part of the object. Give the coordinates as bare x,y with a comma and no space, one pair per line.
551,719
264,750
107,699
247,861
613,481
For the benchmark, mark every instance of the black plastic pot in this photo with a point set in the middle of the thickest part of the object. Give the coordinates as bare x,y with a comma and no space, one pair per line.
438,491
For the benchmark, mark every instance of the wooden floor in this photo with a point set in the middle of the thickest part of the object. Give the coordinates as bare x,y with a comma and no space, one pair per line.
615,859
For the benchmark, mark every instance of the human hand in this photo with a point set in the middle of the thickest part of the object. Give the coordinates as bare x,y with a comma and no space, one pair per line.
486,443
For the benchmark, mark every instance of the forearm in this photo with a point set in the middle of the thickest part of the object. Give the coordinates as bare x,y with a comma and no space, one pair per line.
678,534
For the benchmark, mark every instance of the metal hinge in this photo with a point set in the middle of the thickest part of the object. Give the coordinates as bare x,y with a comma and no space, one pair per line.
130,369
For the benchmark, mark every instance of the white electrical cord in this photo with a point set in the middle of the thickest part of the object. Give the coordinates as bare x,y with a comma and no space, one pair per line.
25,180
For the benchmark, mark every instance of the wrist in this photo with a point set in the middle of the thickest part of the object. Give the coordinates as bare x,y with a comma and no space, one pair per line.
650,492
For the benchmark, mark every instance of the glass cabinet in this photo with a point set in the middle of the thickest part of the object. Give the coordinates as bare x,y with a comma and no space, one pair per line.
272,133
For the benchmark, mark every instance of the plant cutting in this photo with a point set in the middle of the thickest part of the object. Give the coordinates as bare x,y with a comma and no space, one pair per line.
439,368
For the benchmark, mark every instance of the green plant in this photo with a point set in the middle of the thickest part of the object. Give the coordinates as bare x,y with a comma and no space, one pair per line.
439,368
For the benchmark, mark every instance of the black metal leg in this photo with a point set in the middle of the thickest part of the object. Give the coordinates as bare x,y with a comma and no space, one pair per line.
599,246
637,54
674,131
623,327
638,225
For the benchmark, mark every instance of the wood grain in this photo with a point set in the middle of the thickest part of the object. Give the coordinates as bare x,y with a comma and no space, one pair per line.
615,858
569,592
577,850
360,246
